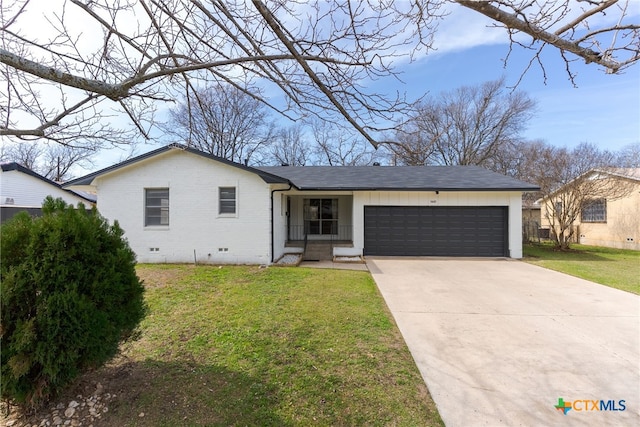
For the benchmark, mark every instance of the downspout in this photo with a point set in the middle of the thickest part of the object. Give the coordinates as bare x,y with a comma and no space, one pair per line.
272,217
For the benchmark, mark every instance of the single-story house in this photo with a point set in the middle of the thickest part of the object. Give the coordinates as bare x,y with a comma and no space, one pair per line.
22,189
177,204
611,218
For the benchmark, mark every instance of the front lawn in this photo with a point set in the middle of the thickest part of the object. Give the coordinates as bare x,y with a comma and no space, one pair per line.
616,268
272,346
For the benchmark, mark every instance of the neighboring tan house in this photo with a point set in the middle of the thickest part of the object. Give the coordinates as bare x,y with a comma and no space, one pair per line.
177,204
21,189
606,221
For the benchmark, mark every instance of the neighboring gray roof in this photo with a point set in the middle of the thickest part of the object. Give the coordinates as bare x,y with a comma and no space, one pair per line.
427,178
93,198
87,179
13,166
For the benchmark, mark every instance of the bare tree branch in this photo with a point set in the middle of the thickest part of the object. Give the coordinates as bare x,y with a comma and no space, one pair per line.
318,57
472,125
224,121
290,147
578,20
52,74
53,161
275,26
518,21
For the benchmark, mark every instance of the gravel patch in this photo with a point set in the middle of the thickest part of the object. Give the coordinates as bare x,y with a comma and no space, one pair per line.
82,411
289,259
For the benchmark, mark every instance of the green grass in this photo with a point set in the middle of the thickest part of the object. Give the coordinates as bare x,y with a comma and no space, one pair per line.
617,268
276,346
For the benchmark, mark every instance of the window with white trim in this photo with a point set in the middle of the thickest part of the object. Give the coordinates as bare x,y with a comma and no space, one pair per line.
227,198
156,206
594,211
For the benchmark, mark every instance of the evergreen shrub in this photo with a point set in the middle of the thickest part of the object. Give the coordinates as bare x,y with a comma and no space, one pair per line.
69,297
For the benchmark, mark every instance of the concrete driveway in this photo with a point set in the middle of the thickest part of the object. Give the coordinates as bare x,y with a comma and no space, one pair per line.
498,342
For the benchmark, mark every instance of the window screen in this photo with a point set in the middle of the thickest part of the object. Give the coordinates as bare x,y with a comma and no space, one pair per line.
227,200
156,209
594,211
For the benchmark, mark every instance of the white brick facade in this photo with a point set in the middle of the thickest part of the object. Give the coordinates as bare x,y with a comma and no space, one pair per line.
196,230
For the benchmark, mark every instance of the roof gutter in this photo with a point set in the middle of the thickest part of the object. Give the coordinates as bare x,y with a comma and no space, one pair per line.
453,189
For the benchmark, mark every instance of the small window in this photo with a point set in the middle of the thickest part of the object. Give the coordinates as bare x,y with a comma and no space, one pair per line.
594,211
227,200
156,207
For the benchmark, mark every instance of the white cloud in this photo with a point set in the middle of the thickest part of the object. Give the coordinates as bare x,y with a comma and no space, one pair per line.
465,29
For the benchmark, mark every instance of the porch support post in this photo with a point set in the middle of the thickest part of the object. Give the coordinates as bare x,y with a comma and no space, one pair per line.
272,222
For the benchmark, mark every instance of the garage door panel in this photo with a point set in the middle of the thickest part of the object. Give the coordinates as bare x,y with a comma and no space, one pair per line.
435,231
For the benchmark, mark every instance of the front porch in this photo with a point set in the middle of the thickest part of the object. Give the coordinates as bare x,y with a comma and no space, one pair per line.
318,250
316,225
297,234
319,247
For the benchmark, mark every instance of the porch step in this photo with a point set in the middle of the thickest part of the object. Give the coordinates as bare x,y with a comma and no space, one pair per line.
318,251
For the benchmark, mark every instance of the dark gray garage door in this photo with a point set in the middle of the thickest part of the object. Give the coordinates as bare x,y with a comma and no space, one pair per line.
435,231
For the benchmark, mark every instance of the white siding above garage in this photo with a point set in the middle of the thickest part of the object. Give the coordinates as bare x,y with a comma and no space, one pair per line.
196,230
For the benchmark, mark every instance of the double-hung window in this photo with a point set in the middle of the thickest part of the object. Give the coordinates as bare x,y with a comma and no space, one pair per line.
227,198
594,211
156,206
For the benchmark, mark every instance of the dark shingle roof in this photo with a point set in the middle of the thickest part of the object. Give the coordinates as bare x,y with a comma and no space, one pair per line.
428,178
399,178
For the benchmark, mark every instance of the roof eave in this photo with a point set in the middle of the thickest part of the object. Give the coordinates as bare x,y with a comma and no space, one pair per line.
527,189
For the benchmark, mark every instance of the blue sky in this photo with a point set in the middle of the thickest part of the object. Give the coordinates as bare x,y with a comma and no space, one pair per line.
603,109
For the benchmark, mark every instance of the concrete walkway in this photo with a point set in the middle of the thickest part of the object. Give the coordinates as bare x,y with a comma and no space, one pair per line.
498,342
336,265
